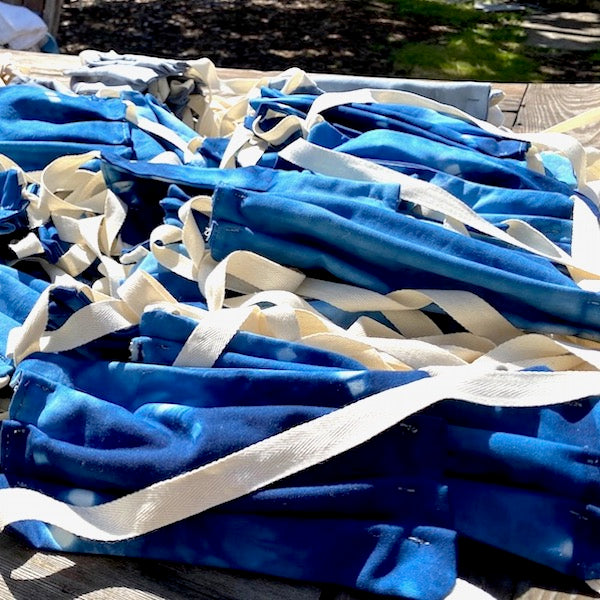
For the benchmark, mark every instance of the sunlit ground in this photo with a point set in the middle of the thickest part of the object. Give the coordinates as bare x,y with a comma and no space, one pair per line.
415,38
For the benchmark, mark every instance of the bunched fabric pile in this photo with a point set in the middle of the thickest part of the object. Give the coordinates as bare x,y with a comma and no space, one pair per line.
313,335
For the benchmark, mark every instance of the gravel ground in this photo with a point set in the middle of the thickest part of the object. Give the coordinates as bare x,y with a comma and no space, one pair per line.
342,36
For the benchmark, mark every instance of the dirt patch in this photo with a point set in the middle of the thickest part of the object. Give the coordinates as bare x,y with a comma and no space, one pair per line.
341,36
345,36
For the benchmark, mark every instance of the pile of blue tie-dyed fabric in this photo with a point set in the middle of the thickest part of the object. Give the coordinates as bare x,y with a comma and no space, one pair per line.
313,335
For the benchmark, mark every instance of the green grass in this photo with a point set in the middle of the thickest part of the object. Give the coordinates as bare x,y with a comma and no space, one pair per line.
438,12
472,44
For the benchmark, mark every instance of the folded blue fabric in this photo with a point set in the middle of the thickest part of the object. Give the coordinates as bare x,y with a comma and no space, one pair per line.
90,431
146,186
384,250
162,336
352,119
38,125
471,96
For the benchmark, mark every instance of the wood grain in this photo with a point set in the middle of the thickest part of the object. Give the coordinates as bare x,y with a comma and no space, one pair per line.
513,95
26,573
546,591
547,104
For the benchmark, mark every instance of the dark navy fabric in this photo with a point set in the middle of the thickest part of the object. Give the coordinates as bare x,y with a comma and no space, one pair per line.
13,207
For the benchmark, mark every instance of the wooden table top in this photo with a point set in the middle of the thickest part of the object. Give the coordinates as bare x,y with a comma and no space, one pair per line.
26,573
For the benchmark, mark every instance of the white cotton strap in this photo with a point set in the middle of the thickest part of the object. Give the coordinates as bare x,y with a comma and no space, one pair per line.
160,239
427,195
412,323
347,297
489,338
291,451
210,337
594,584
103,316
115,212
86,214
463,590
382,96
534,349
30,245
474,314
182,249
470,311
141,290
24,340
357,349
161,131
251,269
281,131
87,324
63,174
400,308
76,260
585,238
240,138
564,144
589,117
191,235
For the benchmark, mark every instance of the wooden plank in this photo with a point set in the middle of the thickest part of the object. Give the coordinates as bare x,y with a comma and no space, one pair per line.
27,573
38,64
511,103
564,589
540,594
510,118
513,95
546,104
51,14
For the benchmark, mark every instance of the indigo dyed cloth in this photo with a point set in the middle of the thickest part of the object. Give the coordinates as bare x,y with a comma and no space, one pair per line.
383,250
38,125
352,119
90,431
101,420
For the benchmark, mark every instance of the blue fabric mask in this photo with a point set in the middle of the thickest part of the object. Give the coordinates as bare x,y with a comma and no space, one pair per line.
383,250
353,119
131,428
38,125
113,416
